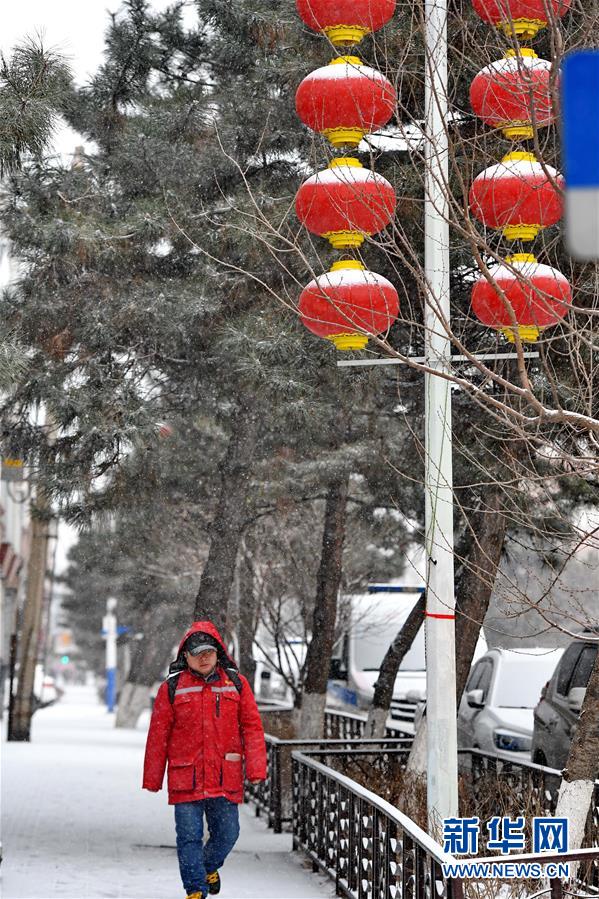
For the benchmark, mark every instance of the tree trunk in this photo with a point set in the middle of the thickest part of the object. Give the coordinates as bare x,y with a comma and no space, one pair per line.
22,710
474,586
247,621
480,548
383,689
418,753
582,767
229,520
318,657
133,700
8,630
149,658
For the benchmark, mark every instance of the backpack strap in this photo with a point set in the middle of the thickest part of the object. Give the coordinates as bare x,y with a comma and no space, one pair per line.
171,682
233,674
175,670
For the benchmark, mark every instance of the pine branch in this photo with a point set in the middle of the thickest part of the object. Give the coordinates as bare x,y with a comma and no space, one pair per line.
33,84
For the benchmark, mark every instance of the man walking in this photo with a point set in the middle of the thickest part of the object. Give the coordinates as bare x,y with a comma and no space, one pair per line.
206,725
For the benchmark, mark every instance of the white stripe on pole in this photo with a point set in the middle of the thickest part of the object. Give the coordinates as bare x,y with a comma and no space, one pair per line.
442,775
582,222
579,110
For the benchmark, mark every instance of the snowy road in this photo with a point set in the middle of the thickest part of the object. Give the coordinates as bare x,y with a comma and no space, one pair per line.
76,823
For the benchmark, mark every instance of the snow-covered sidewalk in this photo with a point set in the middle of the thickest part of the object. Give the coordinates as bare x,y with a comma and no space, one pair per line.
76,823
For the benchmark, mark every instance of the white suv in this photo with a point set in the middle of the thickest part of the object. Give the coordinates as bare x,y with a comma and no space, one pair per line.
504,686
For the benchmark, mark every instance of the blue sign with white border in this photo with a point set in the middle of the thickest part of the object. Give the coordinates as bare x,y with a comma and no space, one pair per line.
580,136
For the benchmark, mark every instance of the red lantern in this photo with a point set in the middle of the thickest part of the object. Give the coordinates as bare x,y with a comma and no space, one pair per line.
345,202
345,21
514,94
539,296
345,100
524,18
518,195
346,301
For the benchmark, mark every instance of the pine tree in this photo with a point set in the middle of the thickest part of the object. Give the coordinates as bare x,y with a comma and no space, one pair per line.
33,82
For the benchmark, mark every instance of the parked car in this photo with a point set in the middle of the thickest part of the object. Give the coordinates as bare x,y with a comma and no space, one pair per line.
496,711
556,715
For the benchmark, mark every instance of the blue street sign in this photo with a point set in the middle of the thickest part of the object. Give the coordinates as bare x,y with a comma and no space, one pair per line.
580,135
120,629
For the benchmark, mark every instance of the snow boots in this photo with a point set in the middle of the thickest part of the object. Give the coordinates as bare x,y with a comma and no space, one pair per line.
213,881
195,896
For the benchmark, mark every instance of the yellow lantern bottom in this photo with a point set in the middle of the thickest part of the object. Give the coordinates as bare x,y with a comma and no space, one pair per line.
345,35
527,333
12,463
521,232
339,240
353,341
340,137
518,130
522,28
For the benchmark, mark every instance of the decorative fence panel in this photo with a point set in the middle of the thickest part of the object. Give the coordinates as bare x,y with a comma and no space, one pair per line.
273,796
370,849
366,845
348,725
531,782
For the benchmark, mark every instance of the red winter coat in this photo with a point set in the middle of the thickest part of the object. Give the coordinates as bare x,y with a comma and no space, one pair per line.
196,734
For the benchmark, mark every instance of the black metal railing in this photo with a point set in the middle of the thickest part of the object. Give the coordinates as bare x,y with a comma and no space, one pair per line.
273,797
526,779
350,725
339,724
530,784
365,844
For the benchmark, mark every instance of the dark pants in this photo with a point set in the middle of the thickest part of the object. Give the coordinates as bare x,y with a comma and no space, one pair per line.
195,858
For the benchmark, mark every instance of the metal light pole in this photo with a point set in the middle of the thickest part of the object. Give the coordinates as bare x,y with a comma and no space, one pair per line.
442,766
109,632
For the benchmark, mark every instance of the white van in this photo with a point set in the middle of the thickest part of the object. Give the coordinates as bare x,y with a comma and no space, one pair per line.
373,621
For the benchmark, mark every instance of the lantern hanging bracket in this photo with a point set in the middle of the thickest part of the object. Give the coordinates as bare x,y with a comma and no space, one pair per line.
422,360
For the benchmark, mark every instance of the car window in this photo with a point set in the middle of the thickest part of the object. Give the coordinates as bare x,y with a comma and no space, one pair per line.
584,666
522,676
485,680
475,676
566,667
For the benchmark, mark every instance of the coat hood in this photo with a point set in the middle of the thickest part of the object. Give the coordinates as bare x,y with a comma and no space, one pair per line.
206,627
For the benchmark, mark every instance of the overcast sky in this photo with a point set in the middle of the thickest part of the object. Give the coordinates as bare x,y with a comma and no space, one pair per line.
74,27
